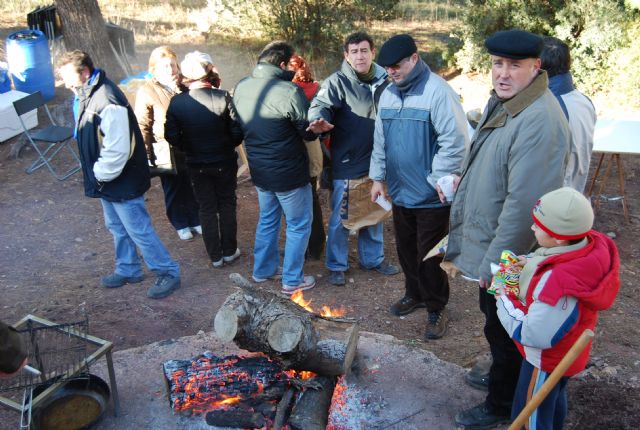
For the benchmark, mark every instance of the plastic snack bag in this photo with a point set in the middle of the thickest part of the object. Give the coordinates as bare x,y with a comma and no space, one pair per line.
506,274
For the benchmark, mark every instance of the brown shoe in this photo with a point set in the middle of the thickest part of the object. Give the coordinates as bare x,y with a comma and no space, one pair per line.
405,306
437,324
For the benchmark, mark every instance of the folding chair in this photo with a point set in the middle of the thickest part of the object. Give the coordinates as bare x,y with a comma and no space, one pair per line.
56,137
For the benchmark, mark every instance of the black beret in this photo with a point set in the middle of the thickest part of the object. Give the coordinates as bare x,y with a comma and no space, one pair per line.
395,49
516,44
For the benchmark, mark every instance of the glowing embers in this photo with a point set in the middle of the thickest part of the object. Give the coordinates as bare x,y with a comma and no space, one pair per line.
208,382
325,311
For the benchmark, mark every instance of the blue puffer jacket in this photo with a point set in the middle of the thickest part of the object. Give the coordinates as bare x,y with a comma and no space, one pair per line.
350,105
420,136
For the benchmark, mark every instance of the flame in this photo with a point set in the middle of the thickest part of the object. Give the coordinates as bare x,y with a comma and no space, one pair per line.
299,299
300,374
226,402
326,311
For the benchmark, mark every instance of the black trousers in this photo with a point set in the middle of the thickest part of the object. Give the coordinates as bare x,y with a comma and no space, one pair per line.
318,236
417,232
505,369
215,190
180,203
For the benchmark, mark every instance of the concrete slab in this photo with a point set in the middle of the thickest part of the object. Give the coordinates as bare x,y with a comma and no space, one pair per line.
394,385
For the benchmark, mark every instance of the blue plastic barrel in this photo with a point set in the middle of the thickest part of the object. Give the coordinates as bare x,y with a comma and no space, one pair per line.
5,82
30,63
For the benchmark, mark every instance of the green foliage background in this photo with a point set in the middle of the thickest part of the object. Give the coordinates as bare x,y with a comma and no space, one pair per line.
602,35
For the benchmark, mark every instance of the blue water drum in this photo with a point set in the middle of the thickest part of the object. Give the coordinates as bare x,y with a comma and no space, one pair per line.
5,82
30,63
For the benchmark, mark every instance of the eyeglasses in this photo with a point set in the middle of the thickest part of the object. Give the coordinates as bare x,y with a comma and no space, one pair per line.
398,64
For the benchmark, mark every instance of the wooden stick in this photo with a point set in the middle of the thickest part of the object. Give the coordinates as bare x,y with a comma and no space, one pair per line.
553,379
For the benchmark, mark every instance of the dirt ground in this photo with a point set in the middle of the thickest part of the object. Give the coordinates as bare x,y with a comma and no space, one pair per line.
54,248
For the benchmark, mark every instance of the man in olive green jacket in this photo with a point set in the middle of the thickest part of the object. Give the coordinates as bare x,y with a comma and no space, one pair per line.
519,152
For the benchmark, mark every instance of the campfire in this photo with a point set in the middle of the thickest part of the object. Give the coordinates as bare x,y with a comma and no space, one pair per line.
287,383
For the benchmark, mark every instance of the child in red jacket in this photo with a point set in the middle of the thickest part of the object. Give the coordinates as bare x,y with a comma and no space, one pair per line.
563,285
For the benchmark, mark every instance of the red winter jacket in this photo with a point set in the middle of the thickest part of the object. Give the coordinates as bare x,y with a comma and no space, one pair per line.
563,300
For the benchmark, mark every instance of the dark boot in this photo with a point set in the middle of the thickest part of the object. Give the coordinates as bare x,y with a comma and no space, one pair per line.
481,417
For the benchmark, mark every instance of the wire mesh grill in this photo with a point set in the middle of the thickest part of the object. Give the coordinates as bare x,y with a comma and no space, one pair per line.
58,351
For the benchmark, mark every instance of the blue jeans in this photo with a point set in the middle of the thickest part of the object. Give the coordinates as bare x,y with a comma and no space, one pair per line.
370,241
130,225
297,207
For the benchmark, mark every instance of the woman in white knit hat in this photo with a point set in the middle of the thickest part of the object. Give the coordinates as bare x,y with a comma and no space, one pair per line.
563,285
201,123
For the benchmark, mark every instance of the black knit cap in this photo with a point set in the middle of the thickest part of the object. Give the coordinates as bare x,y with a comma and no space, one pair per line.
395,49
515,44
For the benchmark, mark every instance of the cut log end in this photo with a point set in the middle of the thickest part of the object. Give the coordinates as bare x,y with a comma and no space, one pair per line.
285,334
226,324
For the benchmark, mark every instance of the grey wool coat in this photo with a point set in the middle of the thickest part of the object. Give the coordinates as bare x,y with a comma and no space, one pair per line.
519,153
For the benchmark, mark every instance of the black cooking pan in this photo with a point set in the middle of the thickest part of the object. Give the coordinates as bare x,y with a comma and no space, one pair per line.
78,404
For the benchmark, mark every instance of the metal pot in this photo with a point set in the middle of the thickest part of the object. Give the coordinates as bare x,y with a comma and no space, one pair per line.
77,404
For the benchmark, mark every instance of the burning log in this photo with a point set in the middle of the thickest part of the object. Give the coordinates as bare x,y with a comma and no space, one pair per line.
259,320
311,411
235,418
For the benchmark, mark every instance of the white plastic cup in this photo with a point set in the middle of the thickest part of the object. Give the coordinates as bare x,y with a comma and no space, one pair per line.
384,203
446,185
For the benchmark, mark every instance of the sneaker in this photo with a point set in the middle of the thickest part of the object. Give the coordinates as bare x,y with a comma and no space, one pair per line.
197,229
307,283
406,305
478,376
480,417
115,280
218,264
164,286
275,277
436,324
232,258
384,268
336,278
185,234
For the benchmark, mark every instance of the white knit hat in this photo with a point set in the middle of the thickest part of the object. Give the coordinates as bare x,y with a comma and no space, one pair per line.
564,214
194,65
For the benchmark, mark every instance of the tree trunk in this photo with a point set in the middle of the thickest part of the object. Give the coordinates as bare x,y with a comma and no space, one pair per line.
84,28
259,320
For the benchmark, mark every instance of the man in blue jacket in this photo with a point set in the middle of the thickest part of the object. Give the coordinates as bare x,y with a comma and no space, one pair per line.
347,99
420,136
115,170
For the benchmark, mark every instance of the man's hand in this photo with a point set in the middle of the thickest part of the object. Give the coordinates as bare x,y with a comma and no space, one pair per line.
377,189
456,182
319,126
484,284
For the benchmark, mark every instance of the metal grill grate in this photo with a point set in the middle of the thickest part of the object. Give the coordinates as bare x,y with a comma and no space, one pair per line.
58,351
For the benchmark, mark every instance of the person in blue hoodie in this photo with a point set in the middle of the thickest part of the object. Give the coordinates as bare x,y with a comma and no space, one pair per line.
115,170
420,137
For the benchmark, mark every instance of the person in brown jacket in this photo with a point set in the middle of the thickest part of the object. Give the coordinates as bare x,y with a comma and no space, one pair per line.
13,354
152,102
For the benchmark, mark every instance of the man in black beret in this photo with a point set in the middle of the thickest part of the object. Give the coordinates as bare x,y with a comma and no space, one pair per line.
420,137
518,153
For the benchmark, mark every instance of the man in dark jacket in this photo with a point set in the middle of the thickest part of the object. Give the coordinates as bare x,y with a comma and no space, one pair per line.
115,170
272,112
347,99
